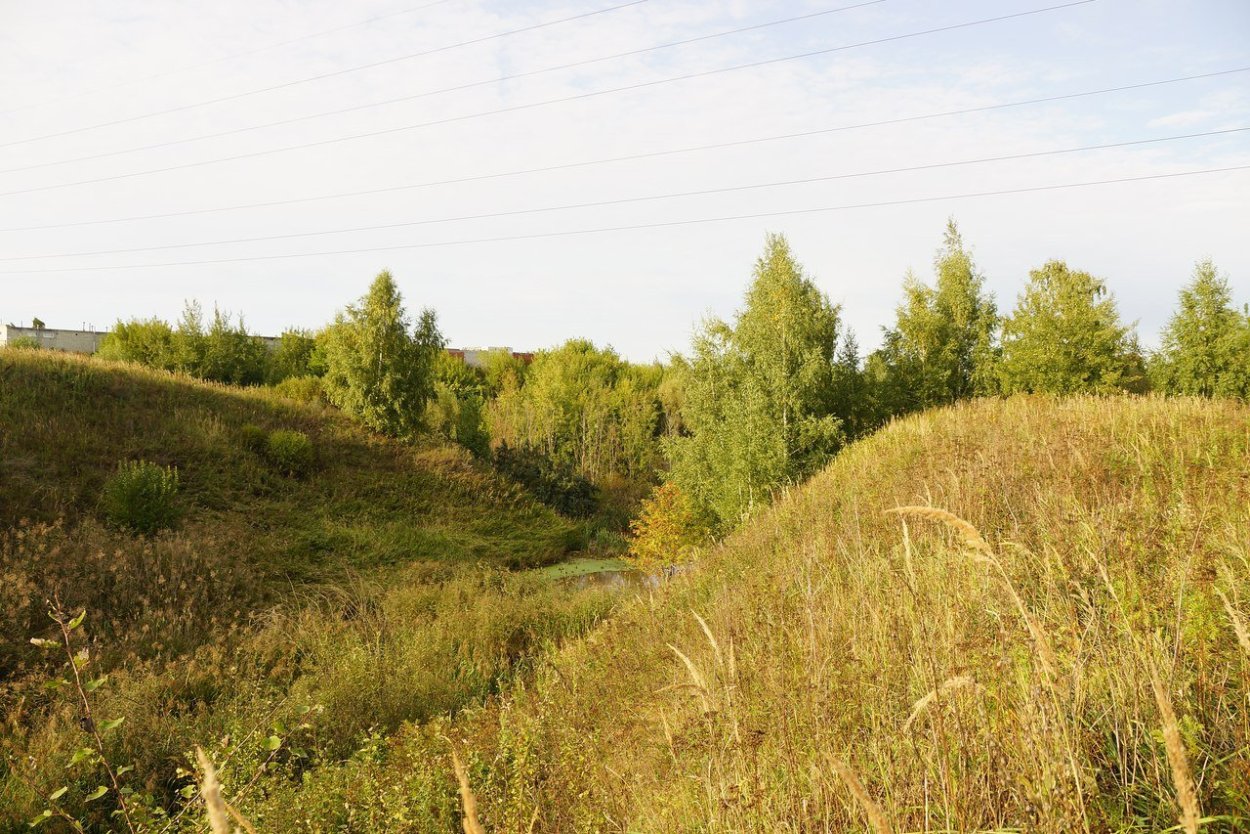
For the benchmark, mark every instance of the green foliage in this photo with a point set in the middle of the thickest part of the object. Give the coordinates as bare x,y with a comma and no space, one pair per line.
141,497
228,353
224,352
254,438
586,409
297,355
501,371
376,370
25,343
667,529
302,389
1065,337
457,415
759,394
1206,345
144,342
552,481
941,348
291,452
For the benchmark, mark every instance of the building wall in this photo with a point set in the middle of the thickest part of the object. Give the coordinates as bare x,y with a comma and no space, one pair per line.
71,341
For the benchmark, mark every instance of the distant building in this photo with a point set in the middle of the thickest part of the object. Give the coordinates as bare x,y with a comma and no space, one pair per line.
476,357
88,341
70,341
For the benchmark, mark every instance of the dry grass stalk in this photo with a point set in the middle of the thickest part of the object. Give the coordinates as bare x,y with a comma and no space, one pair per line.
1186,792
210,789
876,817
973,539
1239,625
971,536
949,685
708,633
467,800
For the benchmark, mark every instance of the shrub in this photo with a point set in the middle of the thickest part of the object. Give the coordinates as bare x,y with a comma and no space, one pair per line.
304,389
255,439
290,451
666,530
25,343
554,484
141,497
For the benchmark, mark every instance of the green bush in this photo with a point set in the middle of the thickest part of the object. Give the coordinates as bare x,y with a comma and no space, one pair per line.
255,439
304,389
141,497
290,451
552,482
25,343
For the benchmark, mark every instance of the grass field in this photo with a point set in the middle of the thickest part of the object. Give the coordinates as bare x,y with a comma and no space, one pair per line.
1060,654
382,587
1021,615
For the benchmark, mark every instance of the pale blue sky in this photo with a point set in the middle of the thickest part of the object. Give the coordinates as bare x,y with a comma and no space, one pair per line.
643,290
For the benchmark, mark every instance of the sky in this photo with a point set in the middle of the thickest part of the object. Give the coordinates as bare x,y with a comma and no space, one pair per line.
493,95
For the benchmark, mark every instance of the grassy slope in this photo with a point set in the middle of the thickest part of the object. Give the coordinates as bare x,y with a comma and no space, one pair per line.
1115,521
68,421
376,589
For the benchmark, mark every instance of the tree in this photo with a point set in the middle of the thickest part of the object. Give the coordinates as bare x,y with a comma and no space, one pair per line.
296,354
378,371
147,343
229,354
941,348
758,402
585,408
1206,345
1065,337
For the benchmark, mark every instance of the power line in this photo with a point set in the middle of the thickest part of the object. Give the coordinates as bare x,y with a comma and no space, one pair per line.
641,226
345,71
224,58
457,88
637,156
547,102
647,198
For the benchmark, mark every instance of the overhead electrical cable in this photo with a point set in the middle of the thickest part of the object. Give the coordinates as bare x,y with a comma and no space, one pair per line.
386,102
223,58
632,157
646,198
334,74
532,105
641,226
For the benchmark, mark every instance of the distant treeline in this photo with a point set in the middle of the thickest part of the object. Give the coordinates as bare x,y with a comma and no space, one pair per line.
759,402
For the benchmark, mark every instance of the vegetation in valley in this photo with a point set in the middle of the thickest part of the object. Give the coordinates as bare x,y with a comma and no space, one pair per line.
959,583
1019,615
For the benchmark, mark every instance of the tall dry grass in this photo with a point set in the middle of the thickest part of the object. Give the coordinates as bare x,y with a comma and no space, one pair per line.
983,663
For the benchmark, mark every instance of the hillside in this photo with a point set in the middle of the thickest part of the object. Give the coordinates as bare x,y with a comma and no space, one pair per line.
68,421
382,586
249,534
1063,664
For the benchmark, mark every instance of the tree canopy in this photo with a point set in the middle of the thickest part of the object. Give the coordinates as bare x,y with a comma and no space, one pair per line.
1205,348
758,409
377,368
1065,337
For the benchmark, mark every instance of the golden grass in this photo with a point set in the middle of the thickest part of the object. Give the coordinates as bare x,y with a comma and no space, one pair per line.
1182,780
876,817
468,802
1086,541
1239,625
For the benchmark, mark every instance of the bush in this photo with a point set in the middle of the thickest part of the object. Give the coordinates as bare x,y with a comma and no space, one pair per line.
25,343
141,497
304,389
667,530
290,451
255,439
556,485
